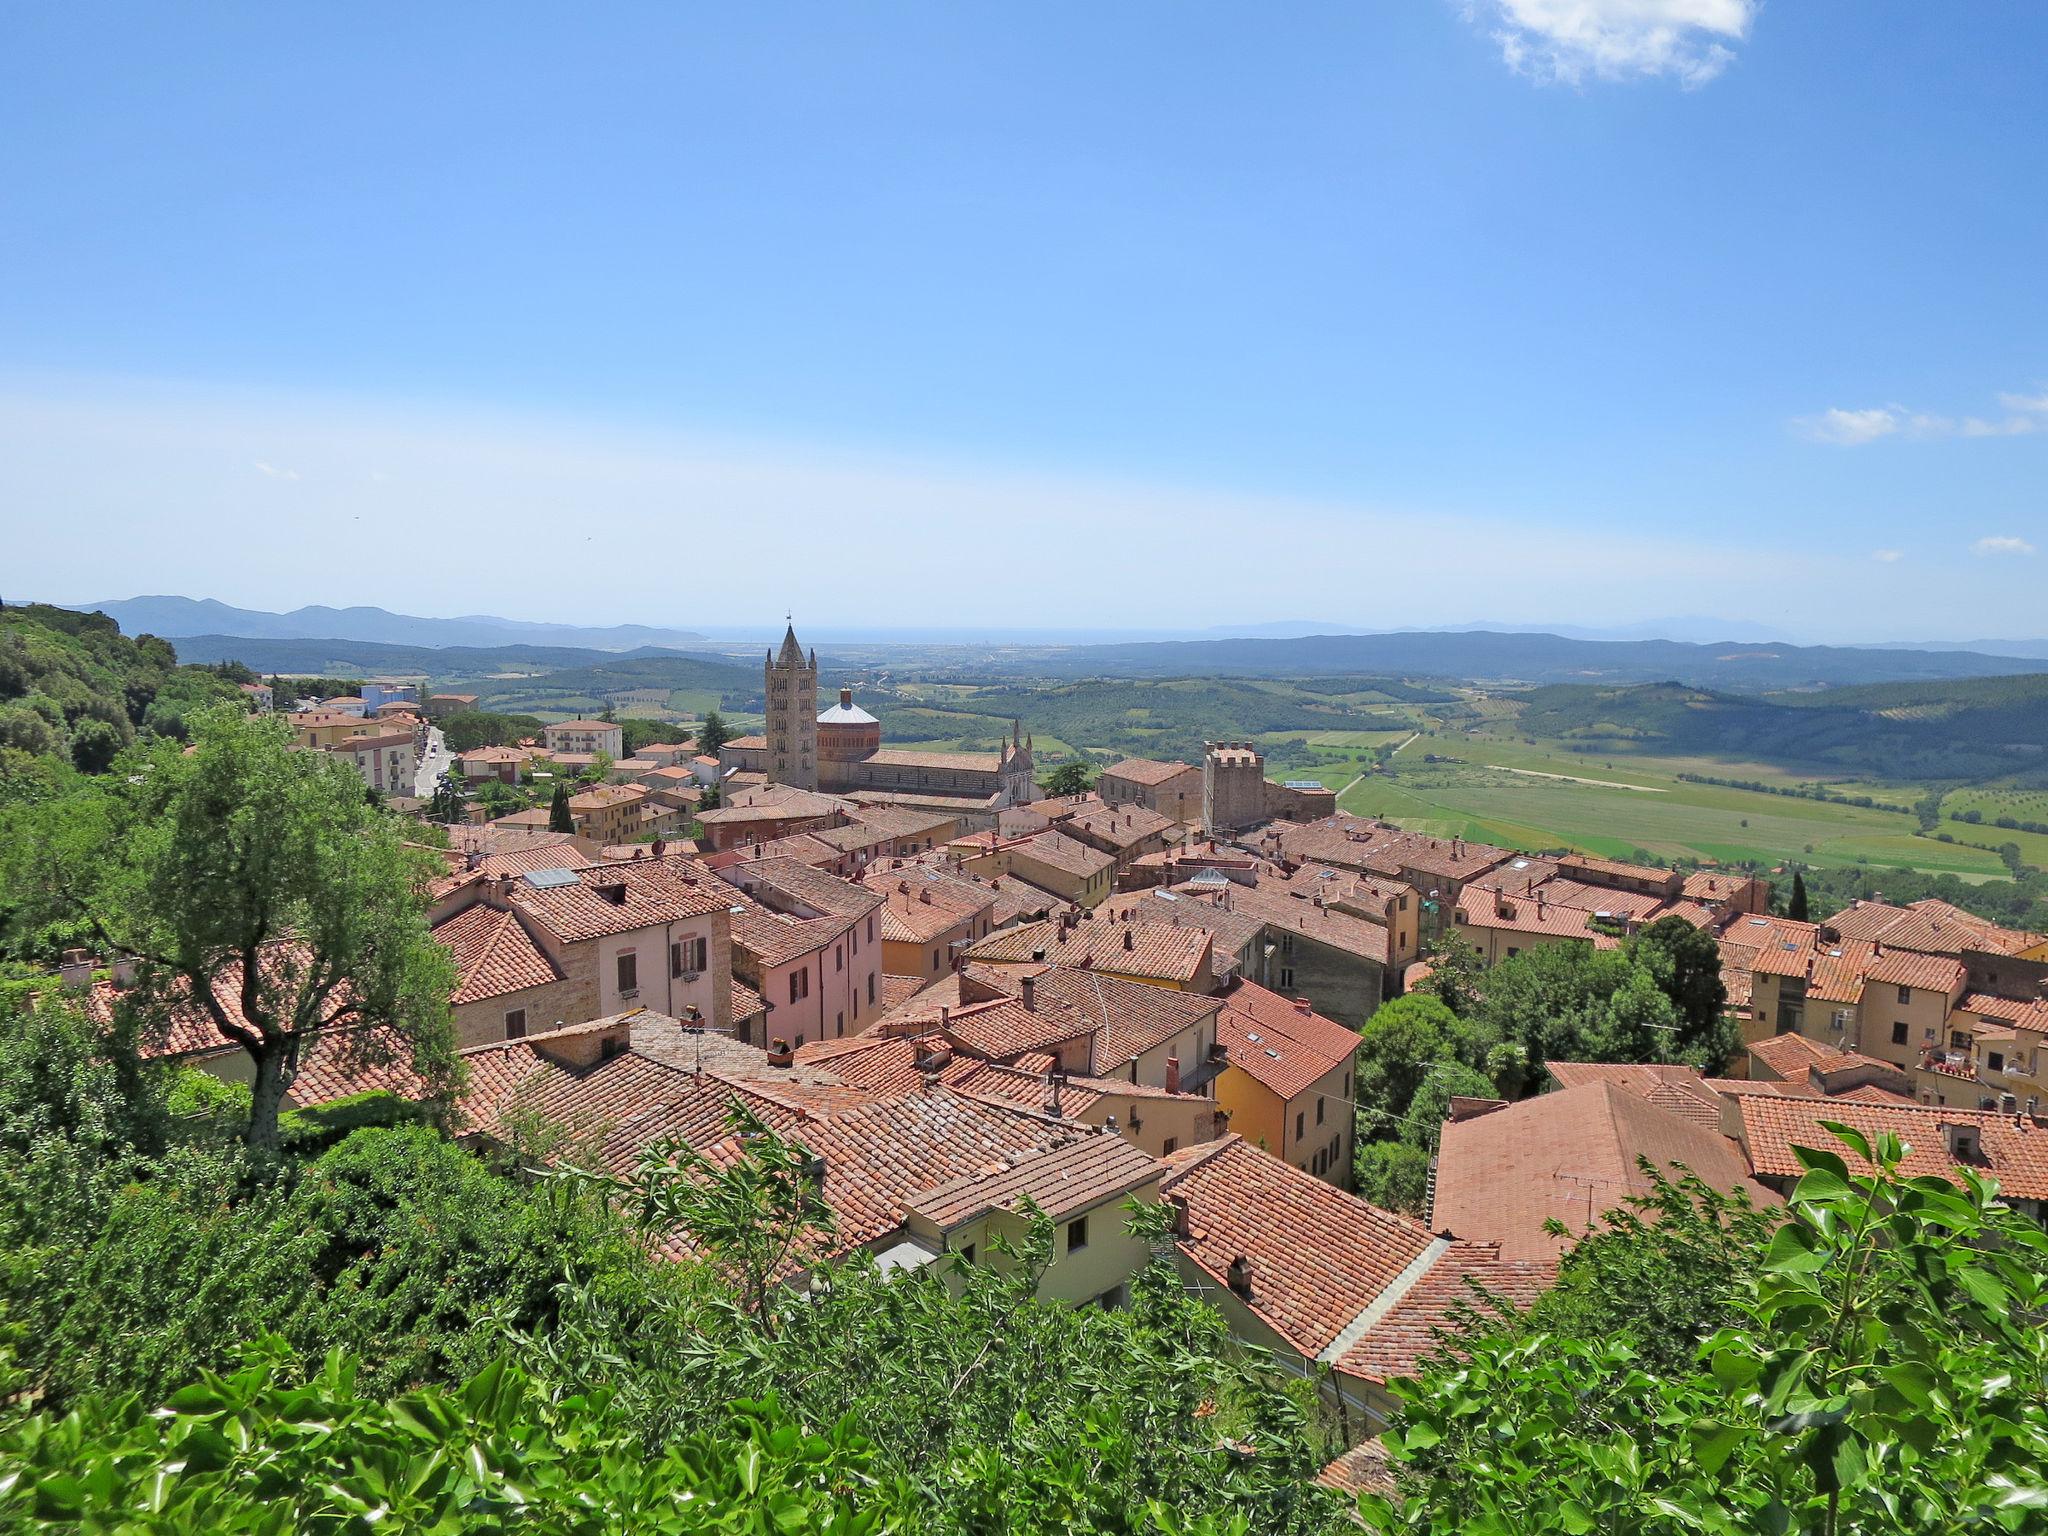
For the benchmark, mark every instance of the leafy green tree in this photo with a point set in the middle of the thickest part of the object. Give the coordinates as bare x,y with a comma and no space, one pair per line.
1402,1044
95,744
252,884
1393,1175
448,800
1686,962
1455,968
1880,1370
559,817
470,729
1431,1106
638,733
264,1449
712,734
756,1214
1068,779
1798,907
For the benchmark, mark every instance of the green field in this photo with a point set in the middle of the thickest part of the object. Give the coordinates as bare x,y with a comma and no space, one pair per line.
1494,794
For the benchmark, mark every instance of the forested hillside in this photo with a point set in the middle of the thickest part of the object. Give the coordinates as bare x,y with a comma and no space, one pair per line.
1964,730
72,686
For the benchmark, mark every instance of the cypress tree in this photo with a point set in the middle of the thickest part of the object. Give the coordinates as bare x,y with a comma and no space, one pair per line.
1797,910
559,819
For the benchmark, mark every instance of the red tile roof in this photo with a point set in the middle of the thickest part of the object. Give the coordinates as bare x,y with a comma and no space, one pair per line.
2014,1149
1569,1155
618,898
1158,951
1280,1042
493,953
1903,968
1319,1257
1145,770
1062,1182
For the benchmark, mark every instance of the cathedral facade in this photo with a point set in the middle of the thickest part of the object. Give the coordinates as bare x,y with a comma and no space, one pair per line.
840,751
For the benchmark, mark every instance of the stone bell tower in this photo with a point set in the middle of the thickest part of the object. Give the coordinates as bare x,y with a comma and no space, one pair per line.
790,685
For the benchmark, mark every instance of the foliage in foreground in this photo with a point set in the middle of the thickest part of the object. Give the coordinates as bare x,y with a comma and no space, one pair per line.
256,1451
1886,1371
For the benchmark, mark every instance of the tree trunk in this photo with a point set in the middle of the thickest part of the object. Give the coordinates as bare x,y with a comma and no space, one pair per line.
266,1095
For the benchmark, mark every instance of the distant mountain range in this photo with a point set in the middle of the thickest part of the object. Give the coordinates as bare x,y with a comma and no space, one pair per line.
1489,656
176,617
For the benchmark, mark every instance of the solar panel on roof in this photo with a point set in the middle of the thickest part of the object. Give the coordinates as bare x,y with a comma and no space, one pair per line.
550,879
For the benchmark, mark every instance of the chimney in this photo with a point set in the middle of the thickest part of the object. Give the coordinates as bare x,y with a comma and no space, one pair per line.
1030,994
779,1053
1127,939
1053,1078
1173,1074
1302,1006
1179,1203
846,698
76,971
1240,1277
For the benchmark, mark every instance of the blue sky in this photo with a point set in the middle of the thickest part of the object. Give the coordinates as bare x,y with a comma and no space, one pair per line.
1401,313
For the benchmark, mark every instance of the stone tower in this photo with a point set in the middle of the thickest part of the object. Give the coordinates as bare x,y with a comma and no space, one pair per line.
790,685
1233,787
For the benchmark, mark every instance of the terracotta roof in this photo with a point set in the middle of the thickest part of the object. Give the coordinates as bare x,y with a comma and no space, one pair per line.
618,898
1231,931
1068,854
1792,1055
1277,907
1668,1085
1145,770
522,861
1120,826
1526,914
1129,1017
746,1002
1280,1042
2014,1149
1005,1029
1569,1155
959,762
1319,1257
1156,950
916,910
1929,926
1710,886
1062,1182
2031,1013
897,990
1898,967
879,1157
1426,1316
183,1027
791,883
494,954
1362,1469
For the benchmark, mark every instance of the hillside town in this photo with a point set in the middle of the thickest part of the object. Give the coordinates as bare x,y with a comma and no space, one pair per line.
973,1005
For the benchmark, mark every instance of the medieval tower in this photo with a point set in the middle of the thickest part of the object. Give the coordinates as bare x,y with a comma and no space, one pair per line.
790,685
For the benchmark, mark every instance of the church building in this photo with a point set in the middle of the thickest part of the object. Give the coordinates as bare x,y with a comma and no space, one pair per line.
840,751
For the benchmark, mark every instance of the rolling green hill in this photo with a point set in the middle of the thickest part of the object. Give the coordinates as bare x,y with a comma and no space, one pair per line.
1963,731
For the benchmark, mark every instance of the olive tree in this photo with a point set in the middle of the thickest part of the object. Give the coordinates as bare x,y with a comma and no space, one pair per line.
253,884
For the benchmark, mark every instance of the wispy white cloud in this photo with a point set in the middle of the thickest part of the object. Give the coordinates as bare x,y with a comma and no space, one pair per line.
2003,544
1571,41
263,467
1849,428
2024,416
1888,556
